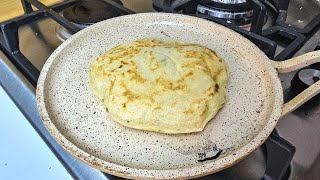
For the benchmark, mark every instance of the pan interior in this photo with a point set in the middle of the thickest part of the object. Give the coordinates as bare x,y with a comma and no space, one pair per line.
81,118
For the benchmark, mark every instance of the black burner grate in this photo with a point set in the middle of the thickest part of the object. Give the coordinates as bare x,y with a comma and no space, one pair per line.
279,155
9,41
297,36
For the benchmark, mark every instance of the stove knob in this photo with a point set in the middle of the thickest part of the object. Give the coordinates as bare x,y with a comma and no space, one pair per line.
303,79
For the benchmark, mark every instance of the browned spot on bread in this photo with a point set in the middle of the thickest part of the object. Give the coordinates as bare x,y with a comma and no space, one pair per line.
193,64
128,94
204,112
136,76
123,62
189,74
168,85
105,73
111,86
120,66
179,87
116,54
210,91
99,70
184,45
152,57
189,111
154,64
99,59
216,87
154,67
190,54
216,75
157,108
199,55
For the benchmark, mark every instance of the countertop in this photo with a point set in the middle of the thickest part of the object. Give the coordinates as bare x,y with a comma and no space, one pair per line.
23,154
13,8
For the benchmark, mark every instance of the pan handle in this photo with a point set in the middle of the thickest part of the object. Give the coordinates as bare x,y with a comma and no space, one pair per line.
295,64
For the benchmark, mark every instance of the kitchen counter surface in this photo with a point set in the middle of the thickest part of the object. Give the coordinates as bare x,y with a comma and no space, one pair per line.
19,139
23,153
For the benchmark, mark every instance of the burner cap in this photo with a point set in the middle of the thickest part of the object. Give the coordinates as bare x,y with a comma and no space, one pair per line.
90,12
230,1
239,12
237,7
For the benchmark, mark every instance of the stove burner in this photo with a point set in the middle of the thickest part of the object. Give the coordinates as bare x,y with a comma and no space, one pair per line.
238,12
62,33
224,14
230,1
85,14
89,12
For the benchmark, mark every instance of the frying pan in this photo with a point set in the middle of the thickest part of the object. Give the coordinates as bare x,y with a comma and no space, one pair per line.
80,124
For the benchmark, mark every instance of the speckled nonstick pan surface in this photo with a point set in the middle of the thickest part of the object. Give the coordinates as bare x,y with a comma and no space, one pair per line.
80,124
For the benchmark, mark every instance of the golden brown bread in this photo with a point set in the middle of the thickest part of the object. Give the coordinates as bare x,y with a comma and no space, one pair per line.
160,85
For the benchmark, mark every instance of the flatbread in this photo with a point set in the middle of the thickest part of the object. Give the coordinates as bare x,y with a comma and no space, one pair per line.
160,85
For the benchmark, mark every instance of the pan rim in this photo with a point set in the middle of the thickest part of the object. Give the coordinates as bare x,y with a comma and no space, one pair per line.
115,169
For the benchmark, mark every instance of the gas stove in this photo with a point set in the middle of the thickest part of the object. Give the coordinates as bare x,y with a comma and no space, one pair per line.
281,29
